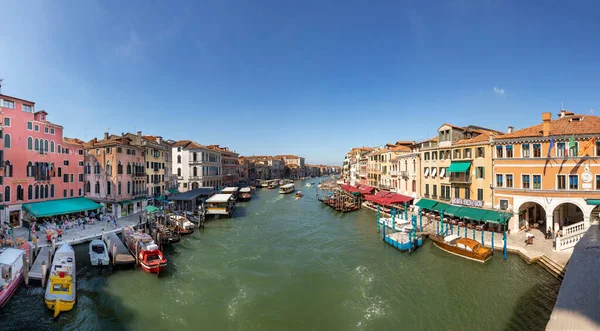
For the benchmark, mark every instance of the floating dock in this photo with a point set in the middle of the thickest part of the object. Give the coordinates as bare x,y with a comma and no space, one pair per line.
119,255
35,272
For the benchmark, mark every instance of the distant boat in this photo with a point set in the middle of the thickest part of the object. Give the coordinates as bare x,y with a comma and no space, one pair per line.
287,188
299,195
98,253
61,289
463,247
245,194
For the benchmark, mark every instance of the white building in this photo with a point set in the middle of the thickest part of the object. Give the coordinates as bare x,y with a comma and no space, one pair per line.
196,166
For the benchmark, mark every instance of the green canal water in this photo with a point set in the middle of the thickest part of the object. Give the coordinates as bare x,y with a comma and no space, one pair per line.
293,264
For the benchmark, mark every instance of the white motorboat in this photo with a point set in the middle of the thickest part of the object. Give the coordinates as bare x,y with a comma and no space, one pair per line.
98,253
287,188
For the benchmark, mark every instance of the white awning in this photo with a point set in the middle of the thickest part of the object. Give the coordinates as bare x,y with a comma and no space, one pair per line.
219,198
230,190
433,172
245,190
426,172
442,172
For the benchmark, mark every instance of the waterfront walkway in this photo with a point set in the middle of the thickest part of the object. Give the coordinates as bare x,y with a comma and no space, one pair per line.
79,234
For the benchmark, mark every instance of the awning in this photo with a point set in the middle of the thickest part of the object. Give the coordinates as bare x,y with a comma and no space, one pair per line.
126,202
441,207
152,209
593,202
493,216
364,189
426,204
173,191
459,166
61,207
452,210
471,213
350,189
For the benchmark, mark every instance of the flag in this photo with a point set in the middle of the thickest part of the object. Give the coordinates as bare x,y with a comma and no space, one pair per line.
572,144
551,146
587,146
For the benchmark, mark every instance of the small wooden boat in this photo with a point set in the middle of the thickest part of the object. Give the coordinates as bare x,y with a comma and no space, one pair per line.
98,253
463,247
61,289
299,195
149,257
11,267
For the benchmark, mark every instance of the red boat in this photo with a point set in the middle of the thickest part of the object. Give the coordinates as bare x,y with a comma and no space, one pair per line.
149,257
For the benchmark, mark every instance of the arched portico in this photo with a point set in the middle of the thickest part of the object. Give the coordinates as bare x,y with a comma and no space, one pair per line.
532,214
566,214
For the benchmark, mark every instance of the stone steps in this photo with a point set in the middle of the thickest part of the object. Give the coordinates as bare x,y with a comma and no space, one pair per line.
552,267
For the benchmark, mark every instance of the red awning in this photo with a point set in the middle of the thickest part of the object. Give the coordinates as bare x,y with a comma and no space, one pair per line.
349,188
365,189
397,198
373,198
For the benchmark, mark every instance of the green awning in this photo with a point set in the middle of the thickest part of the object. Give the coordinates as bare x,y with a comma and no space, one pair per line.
426,204
471,213
593,202
173,191
126,202
441,207
459,166
61,207
452,210
152,209
493,216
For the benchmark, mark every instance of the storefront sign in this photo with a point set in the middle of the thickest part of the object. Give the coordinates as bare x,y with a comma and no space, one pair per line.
467,202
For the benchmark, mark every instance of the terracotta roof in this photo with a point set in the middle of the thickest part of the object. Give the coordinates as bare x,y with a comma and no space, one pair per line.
73,141
8,96
482,137
116,140
568,125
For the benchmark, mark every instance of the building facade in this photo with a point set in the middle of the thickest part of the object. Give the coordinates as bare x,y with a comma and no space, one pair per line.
37,164
196,166
549,174
243,169
406,173
115,175
157,153
229,164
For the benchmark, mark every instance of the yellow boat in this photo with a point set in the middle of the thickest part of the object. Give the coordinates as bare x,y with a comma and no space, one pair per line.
60,291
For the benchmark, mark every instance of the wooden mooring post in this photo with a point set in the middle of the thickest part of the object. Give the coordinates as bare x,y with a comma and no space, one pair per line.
44,269
26,269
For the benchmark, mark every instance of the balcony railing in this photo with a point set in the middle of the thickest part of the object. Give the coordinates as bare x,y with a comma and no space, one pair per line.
139,174
394,173
194,161
461,179
404,174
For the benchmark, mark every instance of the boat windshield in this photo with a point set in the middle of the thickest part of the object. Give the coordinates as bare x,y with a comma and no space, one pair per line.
98,249
153,257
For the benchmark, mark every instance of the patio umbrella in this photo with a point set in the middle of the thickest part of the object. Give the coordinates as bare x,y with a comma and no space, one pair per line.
152,209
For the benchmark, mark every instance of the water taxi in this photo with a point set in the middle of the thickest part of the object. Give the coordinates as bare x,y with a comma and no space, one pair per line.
231,190
245,194
98,253
60,291
149,257
287,188
463,247
220,204
11,266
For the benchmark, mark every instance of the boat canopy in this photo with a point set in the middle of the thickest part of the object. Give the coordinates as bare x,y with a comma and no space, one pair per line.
230,190
245,190
451,238
219,198
10,255
287,186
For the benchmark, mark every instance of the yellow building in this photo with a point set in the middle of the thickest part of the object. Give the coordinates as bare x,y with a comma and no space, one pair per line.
158,162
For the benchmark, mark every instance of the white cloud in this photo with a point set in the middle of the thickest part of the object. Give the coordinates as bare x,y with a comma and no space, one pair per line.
498,91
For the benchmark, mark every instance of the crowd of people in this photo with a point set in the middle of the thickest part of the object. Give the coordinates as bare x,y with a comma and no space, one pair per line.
55,227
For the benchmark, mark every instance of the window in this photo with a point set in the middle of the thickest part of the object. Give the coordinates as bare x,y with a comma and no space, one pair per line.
80,151
480,152
52,190
537,150
573,151
525,151
66,162
79,192
26,108
128,187
434,155
46,129
7,194
65,178
7,121
499,152
509,180
573,182
52,147
36,128
107,150
457,154
128,168
80,163
561,149
119,150
87,187
19,193
11,105
457,192
480,173
467,153
29,143
119,188
59,149
525,181
499,178
119,169
509,151
51,130
434,190
537,182
426,190
178,158
29,126
97,168
467,193
597,182
480,194
561,182
72,177
71,193
7,141
64,193
97,187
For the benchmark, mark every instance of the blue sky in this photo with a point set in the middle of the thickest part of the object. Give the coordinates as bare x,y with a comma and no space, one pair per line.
313,78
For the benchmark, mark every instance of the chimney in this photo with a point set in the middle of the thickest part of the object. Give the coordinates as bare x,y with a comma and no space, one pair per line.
511,129
546,118
105,135
140,134
159,139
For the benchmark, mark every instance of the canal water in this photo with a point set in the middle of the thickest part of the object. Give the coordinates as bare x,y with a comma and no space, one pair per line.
294,264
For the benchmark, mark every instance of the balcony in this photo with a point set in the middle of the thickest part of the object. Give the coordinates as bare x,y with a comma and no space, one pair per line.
139,174
195,177
394,173
195,162
460,179
404,174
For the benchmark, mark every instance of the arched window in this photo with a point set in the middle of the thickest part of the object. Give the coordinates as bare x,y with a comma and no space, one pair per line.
37,144
29,169
30,143
108,188
195,156
97,168
52,147
120,169
119,189
7,145
29,192
178,158
7,194
179,172
52,190
97,187
46,146
59,149
45,191
108,168
128,187
128,168
19,192
195,171
87,187
7,169
37,192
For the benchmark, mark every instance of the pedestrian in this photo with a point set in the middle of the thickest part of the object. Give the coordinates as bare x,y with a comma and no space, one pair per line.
60,232
115,222
140,219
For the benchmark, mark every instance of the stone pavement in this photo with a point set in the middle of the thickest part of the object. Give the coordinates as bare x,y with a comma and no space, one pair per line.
79,234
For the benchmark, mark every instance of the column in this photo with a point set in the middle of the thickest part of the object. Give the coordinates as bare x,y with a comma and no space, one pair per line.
586,221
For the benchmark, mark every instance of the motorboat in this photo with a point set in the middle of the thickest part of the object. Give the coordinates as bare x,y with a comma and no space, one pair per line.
245,194
98,253
287,188
181,224
61,288
11,266
149,257
463,247
299,195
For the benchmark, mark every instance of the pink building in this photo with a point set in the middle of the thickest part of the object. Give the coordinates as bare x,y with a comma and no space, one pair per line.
38,164
115,174
229,164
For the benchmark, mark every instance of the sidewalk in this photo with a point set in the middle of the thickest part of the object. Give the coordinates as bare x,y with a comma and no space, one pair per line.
79,234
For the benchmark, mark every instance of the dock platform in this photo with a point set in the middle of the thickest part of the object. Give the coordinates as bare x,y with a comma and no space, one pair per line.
35,272
123,257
